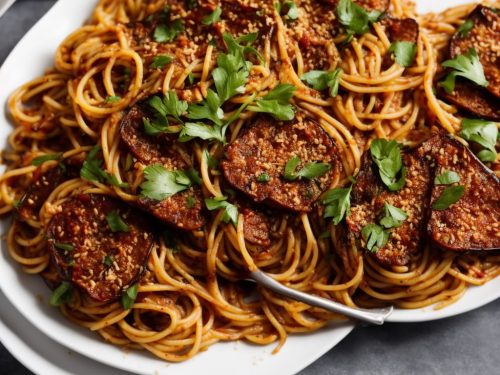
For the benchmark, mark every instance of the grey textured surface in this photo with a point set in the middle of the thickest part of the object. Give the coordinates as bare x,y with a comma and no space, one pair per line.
466,344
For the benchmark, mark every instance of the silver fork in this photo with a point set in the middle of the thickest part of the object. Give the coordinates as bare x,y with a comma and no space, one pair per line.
374,316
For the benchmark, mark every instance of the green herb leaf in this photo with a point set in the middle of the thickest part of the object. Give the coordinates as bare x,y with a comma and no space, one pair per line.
447,178
484,133
116,223
190,202
337,204
112,99
404,52
310,170
320,80
449,196
161,183
465,28
263,178
393,216
42,159
198,130
160,61
170,105
129,296
276,103
64,246
230,210
354,18
387,156
108,260
208,109
293,11
92,169
375,236
467,66
212,17
62,294
166,33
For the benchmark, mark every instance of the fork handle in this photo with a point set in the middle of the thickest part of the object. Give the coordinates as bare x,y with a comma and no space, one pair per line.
374,316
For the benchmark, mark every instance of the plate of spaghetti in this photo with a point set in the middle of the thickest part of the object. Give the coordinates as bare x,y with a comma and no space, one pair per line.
346,148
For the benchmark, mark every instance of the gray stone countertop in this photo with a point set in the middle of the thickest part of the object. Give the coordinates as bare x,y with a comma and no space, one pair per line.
465,344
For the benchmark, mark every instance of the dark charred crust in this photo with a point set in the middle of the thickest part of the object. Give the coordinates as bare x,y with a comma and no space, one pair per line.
473,223
473,99
81,223
162,149
368,198
484,37
265,147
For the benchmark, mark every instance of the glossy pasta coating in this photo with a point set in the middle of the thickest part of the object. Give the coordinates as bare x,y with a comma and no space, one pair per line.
265,147
99,261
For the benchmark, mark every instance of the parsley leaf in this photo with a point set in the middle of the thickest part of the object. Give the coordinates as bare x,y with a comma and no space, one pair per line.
467,66
108,260
449,196
42,159
161,183
129,296
190,202
170,105
404,52
354,18
116,223
64,246
61,294
465,28
310,170
263,178
198,130
92,169
447,178
230,210
166,33
320,80
207,109
276,103
212,17
160,61
293,11
337,204
484,133
393,216
387,156
375,236
112,99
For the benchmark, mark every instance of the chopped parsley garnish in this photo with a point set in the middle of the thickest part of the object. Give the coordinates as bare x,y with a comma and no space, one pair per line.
112,99
190,202
39,160
209,109
166,33
337,204
62,294
199,130
169,106
449,196
393,216
161,183
92,170
447,178
321,80
355,19
212,17
160,61
375,236
263,177
116,223
387,156
108,260
64,246
293,10
404,52
484,133
230,210
465,28
276,103
467,66
129,296
310,170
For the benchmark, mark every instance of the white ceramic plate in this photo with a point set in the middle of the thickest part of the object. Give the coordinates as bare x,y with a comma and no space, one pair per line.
29,294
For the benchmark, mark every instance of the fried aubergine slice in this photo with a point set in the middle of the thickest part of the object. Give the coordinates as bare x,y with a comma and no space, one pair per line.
255,162
99,244
473,222
484,37
380,5
399,30
369,196
182,210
